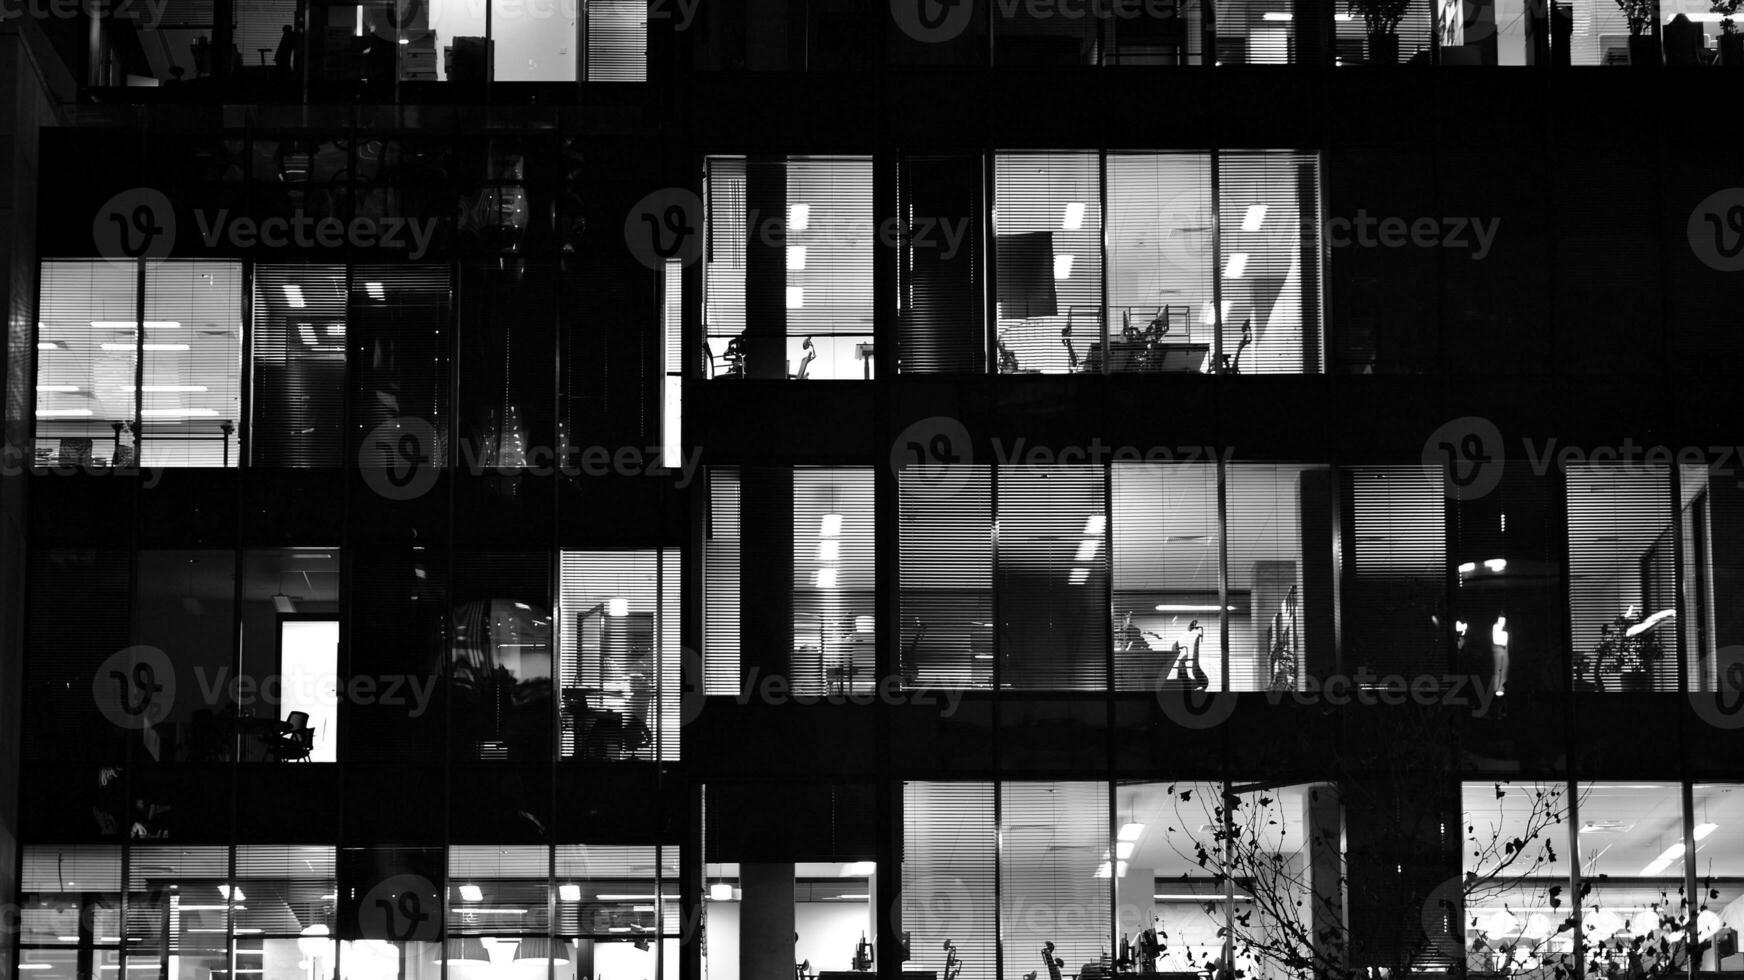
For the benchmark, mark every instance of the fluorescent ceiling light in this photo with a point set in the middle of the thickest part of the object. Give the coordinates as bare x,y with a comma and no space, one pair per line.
294,295
171,388
618,606
48,345
1187,607
128,324
1087,549
569,892
831,526
1467,568
1131,831
626,898
128,347
796,258
1185,897
68,388
853,895
1237,265
1063,267
796,297
234,894
1275,15
375,290
720,891
1094,524
859,869
1207,313
830,549
1496,564
179,413
1704,829
1074,216
799,216
1663,861
64,413
1079,577
471,893
1123,849
826,578
1255,216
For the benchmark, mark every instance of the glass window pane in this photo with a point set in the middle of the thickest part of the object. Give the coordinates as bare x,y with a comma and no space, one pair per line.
1396,579
834,582
617,40
948,872
947,575
1054,872
1516,840
1048,218
1052,578
185,606
619,647
192,400
1186,909
1622,577
179,910
298,341
1266,576
1270,255
70,895
1166,597
85,363
1160,316
1632,865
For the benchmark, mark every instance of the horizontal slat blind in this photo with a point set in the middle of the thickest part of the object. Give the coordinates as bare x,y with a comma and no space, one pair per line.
834,583
400,349
1246,35
829,263
1052,565
288,888
508,878
1159,258
615,887
1165,554
1398,577
192,404
1053,837
619,644
721,551
85,361
940,323
1619,556
1267,217
724,271
949,877
191,919
1265,567
617,40
299,365
1415,31
946,541
1047,214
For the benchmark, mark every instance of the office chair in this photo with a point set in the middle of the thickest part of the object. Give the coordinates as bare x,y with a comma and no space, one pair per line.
297,743
804,362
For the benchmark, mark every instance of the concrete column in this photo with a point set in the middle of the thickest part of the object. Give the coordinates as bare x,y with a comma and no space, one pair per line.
1134,904
766,926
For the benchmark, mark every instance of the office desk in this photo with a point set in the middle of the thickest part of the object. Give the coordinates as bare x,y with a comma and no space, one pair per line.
1143,357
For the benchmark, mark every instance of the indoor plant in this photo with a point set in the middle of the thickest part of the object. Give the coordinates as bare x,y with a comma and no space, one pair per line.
1381,19
1731,42
1643,46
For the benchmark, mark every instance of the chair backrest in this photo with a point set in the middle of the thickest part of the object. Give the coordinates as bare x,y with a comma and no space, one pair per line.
298,720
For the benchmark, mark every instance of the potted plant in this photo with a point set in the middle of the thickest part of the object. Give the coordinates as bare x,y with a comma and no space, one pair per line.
1381,20
1643,47
1731,42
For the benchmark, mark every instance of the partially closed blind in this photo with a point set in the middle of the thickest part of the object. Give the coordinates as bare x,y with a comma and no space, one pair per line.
829,263
948,877
1397,581
183,880
834,582
619,655
298,341
192,403
1620,559
1268,218
85,360
1052,578
721,551
1048,216
1166,551
946,542
617,40
1159,258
